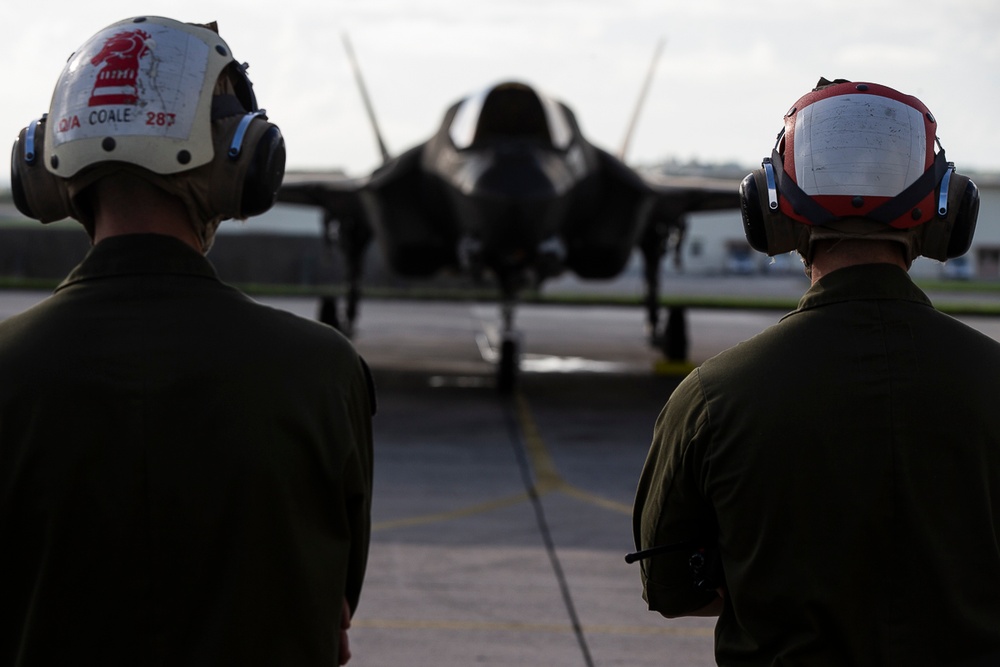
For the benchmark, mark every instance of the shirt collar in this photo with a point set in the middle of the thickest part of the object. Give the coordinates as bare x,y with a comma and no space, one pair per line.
140,254
863,282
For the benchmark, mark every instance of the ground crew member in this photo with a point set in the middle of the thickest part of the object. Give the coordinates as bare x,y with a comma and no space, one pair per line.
831,487
185,474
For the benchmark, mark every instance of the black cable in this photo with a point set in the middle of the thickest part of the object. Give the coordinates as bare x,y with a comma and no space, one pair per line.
656,551
517,442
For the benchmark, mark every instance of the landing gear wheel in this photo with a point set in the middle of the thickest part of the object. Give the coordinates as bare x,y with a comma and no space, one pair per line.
508,366
675,340
328,311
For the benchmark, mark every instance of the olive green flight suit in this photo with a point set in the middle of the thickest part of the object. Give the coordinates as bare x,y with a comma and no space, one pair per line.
847,462
185,474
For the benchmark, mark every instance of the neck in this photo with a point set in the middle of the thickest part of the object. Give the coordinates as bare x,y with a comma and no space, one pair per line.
126,204
830,255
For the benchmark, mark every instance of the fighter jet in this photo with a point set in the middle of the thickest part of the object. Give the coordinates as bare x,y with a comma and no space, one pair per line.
507,190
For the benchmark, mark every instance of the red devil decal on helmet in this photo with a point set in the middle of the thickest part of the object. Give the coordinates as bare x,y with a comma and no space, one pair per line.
116,82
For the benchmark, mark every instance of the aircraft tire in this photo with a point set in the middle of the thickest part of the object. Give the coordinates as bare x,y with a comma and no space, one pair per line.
328,312
507,367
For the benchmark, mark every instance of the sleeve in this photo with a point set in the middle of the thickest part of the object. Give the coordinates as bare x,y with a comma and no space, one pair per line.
670,508
359,477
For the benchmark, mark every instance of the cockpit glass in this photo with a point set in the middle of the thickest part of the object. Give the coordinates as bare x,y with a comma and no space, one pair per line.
510,111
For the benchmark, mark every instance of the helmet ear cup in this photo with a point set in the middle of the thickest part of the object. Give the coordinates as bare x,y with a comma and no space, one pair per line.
767,230
950,236
37,193
264,174
256,157
248,166
753,213
965,219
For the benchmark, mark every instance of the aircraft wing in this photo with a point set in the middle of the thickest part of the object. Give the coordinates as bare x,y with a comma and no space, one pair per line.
332,191
688,194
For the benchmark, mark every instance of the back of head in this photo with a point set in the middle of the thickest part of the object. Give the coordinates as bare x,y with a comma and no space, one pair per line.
160,99
857,161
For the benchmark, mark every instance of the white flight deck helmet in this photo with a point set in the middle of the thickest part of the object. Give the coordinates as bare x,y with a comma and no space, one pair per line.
857,160
161,99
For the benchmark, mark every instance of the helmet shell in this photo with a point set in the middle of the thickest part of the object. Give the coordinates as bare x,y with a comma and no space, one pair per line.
852,146
139,92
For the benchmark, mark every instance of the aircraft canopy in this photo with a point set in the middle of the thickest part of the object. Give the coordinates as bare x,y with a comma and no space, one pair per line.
510,110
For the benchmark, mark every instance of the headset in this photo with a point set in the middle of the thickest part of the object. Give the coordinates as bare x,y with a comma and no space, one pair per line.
941,206
242,170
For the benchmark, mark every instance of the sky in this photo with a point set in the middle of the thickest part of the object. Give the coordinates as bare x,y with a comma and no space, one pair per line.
727,73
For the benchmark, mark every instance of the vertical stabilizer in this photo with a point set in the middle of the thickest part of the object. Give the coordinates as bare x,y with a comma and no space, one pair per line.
364,97
641,100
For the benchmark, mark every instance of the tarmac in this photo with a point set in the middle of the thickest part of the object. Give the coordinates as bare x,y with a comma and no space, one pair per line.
500,524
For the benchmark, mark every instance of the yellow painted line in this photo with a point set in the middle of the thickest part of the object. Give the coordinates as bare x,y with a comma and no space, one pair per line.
520,626
547,480
459,513
594,499
673,368
546,473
